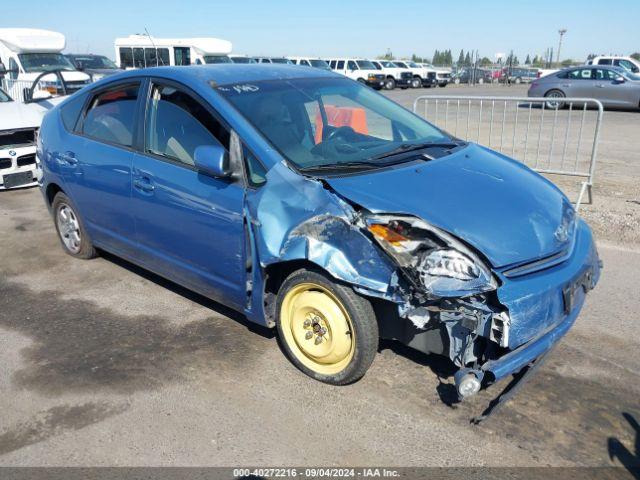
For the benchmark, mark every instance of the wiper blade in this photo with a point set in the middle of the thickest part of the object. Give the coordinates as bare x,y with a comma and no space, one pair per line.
410,147
340,166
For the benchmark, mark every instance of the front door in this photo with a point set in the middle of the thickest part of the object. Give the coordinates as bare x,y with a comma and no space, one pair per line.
189,225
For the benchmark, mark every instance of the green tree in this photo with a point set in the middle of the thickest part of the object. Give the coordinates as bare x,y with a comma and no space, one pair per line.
461,58
567,62
527,61
485,62
467,60
636,56
436,57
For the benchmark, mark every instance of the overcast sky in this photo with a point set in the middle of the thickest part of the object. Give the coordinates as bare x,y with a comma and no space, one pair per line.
344,27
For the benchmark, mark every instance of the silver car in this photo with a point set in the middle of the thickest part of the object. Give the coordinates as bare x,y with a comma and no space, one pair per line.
613,86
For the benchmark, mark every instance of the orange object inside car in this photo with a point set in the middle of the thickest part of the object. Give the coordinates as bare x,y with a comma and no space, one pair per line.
355,118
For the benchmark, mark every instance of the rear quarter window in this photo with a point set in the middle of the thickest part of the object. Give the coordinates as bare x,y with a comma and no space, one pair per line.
110,116
70,112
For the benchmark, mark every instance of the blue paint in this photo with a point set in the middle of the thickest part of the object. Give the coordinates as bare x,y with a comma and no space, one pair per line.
200,231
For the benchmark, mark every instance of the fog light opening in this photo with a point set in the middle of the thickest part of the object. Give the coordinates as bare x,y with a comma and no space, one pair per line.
468,383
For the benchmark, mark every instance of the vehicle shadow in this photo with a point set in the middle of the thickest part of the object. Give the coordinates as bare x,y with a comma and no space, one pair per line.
441,366
630,460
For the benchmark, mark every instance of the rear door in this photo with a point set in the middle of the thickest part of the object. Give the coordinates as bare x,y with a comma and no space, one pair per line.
99,168
580,83
189,226
614,89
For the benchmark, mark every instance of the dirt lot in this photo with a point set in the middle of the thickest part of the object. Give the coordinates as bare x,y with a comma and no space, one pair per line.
105,364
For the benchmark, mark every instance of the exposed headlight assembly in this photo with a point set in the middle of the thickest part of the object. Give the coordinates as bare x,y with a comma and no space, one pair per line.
443,265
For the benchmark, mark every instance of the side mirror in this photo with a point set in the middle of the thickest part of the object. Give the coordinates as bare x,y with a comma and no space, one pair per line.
212,160
618,80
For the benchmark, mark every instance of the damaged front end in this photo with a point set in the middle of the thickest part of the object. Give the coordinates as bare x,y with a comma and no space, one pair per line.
490,322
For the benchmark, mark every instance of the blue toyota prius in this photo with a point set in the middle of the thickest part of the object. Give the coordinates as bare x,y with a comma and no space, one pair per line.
317,206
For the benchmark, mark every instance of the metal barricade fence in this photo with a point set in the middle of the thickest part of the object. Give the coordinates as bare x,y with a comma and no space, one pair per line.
16,88
557,141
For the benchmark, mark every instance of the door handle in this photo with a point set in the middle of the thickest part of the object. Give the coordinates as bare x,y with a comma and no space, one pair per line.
69,158
144,184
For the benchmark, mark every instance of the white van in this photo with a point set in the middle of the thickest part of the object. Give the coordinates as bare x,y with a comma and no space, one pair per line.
26,53
358,69
394,75
310,62
140,51
422,76
630,64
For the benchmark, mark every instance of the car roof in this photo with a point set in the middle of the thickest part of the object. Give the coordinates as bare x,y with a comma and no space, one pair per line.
228,73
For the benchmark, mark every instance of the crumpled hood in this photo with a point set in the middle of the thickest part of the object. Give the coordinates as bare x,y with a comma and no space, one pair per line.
503,209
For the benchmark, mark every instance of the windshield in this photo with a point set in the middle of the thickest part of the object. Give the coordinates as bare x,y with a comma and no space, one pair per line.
242,60
365,65
4,97
400,64
388,64
413,65
216,59
43,62
317,122
281,60
94,61
320,64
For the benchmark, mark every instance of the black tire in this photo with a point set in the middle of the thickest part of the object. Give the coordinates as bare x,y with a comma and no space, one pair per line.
557,104
416,82
362,318
518,81
85,249
389,83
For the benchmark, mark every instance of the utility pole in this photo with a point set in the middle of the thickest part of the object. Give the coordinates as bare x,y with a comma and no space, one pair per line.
562,31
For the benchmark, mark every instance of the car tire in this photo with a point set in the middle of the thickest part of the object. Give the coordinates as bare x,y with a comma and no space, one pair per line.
518,81
70,228
416,82
389,83
557,104
456,81
480,81
327,330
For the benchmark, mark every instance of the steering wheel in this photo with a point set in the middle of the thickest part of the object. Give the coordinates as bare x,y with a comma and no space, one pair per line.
339,132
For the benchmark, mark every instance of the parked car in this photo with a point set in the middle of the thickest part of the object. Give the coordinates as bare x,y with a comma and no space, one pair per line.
518,75
628,63
358,69
18,126
97,66
310,62
280,60
467,75
394,75
242,59
443,74
613,86
317,206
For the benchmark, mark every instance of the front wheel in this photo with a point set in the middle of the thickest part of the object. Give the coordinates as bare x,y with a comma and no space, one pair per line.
326,329
416,82
389,84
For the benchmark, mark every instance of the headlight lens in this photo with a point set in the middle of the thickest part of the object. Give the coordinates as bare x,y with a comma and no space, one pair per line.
444,266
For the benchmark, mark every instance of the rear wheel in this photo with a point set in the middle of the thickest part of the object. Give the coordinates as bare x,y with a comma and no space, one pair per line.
389,83
416,82
71,232
554,104
518,80
327,330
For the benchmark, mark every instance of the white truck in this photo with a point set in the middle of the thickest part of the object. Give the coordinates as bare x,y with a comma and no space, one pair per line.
143,51
630,64
422,77
27,53
394,75
358,69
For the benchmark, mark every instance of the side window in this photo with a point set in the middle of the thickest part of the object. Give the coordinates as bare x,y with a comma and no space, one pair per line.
70,112
126,58
340,65
177,124
582,74
138,57
305,63
627,65
150,57
351,65
13,67
256,173
111,115
163,57
332,64
182,55
605,61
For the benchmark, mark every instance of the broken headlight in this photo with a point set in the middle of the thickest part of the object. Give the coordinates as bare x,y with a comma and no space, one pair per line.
443,265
